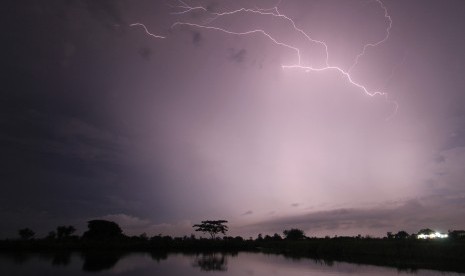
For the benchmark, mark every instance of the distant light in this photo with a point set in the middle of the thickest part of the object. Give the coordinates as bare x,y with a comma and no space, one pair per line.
436,235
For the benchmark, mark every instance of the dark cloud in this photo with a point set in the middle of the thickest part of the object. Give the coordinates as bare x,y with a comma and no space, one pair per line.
434,212
88,129
57,121
145,52
447,175
106,11
456,138
238,55
196,38
250,212
439,158
212,5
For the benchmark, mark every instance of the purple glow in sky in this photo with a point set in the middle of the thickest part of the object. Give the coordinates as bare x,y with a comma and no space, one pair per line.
336,117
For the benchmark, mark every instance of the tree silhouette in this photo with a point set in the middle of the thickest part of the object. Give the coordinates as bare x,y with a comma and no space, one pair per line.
401,235
103,230
26,233
294,234
51,235
457,234
64,232
426,231
212,227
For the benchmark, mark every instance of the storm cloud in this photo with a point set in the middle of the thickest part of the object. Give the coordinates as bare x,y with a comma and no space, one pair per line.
100,120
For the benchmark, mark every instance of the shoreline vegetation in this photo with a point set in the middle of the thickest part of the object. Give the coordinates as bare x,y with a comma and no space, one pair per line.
105,239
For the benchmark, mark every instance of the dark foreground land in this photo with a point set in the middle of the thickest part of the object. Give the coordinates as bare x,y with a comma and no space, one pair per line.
408,254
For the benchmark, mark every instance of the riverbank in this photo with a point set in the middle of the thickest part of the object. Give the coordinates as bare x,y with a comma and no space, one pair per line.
409,254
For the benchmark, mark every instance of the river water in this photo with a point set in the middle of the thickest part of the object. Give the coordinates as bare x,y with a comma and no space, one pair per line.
256,264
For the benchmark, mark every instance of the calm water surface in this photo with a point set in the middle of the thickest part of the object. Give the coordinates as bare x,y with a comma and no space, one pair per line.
256,264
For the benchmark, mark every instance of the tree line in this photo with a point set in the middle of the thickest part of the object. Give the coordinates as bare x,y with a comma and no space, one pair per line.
102,230
394,249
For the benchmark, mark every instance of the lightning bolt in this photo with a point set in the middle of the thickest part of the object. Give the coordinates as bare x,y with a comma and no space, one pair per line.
274,12
242,33
185,8
386,37
146,30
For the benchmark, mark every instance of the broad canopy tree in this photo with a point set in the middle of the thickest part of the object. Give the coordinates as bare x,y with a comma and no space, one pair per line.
212,227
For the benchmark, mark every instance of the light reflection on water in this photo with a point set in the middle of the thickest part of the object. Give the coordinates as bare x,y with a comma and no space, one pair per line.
256,264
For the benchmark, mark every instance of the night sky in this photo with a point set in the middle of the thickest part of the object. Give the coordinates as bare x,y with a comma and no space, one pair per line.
99,119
